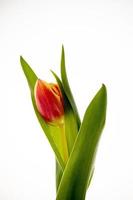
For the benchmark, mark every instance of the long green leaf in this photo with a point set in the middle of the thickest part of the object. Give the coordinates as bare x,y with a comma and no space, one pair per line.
73,104
52,132
67,87
79,167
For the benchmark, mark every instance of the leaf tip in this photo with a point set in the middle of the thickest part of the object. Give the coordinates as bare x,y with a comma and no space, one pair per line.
53,72
22,61
104,89
104,95
103,85
62,48
63,53
21,58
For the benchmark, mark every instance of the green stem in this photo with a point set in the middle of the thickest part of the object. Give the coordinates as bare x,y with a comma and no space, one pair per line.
64,142
59,171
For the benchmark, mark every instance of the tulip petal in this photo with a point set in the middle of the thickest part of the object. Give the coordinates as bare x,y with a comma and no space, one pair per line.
80,164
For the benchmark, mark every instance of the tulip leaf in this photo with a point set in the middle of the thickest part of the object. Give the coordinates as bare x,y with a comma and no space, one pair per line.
90,177
59,173
52,132
71,100
30,75
81,161
67,87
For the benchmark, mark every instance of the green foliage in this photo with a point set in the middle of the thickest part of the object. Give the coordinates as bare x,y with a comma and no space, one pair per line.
53,132
80,164
73,176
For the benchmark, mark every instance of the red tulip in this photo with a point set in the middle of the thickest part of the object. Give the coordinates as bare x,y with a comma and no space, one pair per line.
49,101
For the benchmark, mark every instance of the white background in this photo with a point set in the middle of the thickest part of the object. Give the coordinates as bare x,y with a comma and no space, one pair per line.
98,39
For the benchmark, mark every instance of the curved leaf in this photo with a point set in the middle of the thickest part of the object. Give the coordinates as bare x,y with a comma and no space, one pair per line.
67,87
79,167
52,132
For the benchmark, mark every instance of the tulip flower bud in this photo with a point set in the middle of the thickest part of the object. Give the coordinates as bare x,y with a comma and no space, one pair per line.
49,101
